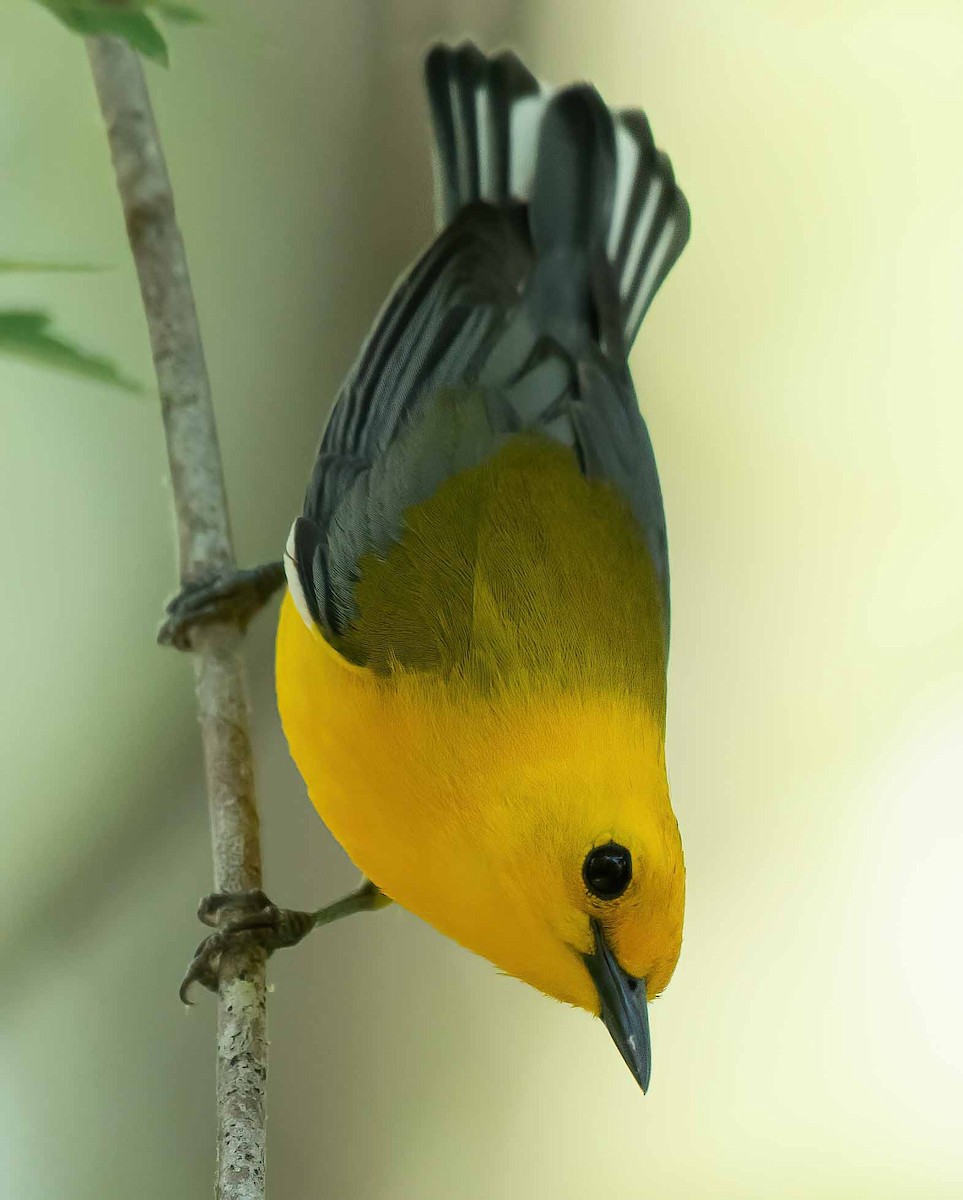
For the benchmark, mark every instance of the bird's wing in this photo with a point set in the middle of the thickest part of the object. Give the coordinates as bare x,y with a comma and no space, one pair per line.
430,336
518,318
499,376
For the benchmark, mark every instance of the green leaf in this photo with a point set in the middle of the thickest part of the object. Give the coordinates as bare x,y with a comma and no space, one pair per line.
176,13
8,265
89,17
27,334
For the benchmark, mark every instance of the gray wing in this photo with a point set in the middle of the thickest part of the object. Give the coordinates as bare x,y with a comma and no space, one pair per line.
518,318
431,335
480,371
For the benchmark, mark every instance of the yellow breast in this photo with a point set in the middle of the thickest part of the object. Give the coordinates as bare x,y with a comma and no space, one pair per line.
510,710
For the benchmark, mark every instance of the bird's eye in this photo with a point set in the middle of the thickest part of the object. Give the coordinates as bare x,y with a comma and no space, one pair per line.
607,871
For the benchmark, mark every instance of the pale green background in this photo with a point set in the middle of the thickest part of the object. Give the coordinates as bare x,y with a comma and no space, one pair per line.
802,379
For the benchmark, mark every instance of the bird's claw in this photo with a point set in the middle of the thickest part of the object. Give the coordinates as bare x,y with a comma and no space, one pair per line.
233,595
240,918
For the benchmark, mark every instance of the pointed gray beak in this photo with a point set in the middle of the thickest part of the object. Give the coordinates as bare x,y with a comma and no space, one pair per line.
624,1006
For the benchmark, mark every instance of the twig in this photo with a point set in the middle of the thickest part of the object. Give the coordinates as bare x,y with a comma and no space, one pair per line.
204,549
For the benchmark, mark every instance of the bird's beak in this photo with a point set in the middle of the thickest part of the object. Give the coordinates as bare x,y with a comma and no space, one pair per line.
624,1007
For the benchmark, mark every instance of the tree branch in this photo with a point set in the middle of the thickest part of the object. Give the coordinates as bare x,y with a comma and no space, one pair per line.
204,540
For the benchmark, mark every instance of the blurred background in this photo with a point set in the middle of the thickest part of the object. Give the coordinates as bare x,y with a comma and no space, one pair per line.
801,375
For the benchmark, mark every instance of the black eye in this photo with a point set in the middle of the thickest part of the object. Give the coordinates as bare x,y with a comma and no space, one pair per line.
607,870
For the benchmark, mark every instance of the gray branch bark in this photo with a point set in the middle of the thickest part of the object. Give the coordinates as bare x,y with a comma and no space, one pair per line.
205,548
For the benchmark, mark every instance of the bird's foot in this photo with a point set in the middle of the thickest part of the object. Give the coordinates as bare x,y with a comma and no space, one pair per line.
240,918
233,595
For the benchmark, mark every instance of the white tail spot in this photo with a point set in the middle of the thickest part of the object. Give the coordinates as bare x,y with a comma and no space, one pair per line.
524,123
652,269
641,234
627,155
483,123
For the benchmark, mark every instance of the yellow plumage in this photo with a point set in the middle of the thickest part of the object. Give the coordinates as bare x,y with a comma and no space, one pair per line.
471,662
470,786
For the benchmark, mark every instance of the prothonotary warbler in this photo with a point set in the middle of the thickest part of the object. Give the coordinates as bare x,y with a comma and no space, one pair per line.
471,657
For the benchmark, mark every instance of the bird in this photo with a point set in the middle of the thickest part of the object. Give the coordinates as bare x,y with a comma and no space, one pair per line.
472,651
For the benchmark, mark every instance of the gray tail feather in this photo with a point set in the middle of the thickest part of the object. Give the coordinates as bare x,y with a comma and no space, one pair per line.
650,222
574,185
483,111
594,178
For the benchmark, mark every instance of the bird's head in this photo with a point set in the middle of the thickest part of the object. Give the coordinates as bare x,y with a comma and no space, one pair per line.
533,826
587,856
534,830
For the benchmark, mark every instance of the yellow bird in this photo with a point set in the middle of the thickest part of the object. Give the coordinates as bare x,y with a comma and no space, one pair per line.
471,658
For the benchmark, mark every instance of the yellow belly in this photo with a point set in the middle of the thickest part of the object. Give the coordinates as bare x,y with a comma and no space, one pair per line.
430,791
515,680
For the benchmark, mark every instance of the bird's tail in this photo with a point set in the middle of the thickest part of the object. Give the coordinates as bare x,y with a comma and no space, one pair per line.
486,113
593,178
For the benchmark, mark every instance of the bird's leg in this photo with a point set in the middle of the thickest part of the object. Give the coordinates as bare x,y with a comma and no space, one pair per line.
234,595
237,916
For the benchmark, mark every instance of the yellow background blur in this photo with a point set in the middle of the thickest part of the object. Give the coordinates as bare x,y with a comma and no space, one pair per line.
802,378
